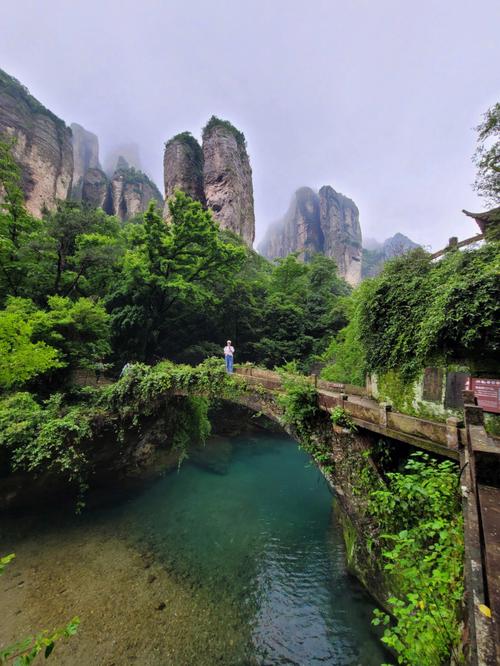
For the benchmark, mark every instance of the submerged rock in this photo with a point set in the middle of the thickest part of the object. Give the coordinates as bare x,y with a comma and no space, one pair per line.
214,456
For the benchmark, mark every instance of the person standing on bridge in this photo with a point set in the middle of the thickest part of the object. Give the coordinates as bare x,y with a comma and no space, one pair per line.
228,356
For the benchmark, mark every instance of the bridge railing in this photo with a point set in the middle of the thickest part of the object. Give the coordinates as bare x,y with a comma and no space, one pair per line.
443,438
455,244
270,376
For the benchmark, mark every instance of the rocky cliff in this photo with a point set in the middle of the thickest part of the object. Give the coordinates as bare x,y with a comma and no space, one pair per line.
183,168
125,195
95,189
375,254
227,178
339,221
43,145
130,193
218,175
325,223
85,157
299,231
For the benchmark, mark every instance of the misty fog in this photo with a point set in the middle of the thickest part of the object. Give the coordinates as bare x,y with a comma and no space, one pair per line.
378,99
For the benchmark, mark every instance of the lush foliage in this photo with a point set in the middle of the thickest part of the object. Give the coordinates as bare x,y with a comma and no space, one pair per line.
417,313
81,291
55,435
168,268
20,358
301,311
345,355
176,290
77,329
343,419
299,402
487,156
420,522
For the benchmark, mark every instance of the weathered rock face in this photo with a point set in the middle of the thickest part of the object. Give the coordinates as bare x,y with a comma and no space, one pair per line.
227,178
218,175
183,168
130,193
339,221
43,146
125,195
325,223
85,157
299,231
95,189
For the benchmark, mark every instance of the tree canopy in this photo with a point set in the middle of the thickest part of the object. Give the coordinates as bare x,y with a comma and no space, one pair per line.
487,156
418,312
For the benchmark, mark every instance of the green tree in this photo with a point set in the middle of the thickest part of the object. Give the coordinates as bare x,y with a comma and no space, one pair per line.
170,265
284,336
419,312
345,355
71,251
487,156
16,227
79,330
78,246
323,311
21,359
301,311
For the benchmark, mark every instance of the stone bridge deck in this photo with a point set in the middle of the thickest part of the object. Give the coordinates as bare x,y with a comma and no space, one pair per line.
479,457
442,438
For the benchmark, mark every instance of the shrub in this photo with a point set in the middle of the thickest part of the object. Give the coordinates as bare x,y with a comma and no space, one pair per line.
421,524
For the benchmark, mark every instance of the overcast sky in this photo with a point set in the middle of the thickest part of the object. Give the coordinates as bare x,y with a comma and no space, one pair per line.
377,98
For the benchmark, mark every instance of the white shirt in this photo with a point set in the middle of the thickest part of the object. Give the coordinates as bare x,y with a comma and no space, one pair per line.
228,350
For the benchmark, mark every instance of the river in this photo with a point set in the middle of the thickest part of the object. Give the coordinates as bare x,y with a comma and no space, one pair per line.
238,560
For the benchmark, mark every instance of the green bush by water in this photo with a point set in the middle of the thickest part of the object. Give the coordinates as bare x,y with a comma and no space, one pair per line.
421,533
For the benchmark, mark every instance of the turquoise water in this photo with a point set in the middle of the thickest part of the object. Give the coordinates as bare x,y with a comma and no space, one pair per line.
261,541
236,560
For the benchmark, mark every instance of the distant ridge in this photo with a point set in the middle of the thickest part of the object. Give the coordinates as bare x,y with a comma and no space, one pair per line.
376,253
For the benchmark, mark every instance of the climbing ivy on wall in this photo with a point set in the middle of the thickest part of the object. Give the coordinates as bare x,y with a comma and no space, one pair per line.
299,402
418,312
